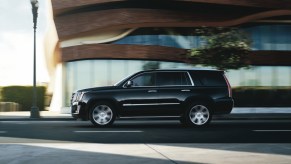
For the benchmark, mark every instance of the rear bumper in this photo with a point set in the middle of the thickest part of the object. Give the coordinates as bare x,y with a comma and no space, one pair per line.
223,106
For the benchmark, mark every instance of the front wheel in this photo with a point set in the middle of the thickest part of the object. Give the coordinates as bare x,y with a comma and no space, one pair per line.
198,115
102,114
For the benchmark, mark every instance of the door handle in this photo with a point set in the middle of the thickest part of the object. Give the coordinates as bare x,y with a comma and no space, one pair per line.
186,90
152,91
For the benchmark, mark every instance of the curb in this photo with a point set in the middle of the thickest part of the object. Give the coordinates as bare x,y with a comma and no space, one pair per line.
252,116
37,119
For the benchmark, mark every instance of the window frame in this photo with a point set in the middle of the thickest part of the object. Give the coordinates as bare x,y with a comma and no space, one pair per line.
186,73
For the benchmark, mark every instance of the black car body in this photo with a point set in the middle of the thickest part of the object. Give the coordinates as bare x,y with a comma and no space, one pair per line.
193,95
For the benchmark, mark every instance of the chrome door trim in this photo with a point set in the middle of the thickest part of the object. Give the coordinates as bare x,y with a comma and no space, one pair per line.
151,104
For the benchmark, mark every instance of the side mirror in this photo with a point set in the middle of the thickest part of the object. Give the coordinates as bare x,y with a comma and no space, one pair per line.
129,84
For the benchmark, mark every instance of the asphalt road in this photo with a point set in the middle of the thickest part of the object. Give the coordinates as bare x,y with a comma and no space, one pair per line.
147,131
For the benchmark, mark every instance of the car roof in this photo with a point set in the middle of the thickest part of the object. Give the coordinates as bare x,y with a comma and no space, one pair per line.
183,69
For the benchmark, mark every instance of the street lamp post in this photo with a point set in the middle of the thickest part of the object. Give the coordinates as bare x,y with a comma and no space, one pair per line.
34,111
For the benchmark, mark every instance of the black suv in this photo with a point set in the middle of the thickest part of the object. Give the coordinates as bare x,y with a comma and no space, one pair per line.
193,95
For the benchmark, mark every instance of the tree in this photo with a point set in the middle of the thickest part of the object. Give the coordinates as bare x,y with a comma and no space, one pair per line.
225,48
151,65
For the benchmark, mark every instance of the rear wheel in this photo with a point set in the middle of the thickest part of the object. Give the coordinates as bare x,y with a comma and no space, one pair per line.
197,115
102,114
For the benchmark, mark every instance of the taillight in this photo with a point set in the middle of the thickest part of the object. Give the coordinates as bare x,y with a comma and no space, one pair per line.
228,86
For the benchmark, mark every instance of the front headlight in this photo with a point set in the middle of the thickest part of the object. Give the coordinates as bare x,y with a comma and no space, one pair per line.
80,96
77,96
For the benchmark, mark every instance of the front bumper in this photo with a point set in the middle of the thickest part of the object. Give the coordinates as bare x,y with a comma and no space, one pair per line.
77,111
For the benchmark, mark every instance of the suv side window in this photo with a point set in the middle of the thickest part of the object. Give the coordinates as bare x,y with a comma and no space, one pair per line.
145,79
207,78
172,79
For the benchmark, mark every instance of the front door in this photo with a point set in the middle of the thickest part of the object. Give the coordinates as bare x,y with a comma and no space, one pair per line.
139,99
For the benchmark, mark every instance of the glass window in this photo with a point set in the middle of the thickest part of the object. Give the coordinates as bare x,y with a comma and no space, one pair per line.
282,74
209,78
83,72
234,77
266,76
270,37
172,79
145,79
118,71
250,77
185,79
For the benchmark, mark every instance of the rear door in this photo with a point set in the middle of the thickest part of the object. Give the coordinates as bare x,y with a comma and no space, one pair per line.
173,88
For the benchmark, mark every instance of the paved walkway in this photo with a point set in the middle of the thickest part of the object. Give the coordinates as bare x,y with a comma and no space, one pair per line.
79,153
261,110
48,115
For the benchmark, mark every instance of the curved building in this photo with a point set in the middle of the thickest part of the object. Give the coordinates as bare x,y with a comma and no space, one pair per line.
101,41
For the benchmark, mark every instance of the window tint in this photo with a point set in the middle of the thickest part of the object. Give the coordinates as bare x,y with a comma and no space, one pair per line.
209,78
187,79
172,78
145,79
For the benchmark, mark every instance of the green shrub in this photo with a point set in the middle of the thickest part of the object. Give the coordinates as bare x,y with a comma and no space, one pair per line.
23,96
0,94
262,97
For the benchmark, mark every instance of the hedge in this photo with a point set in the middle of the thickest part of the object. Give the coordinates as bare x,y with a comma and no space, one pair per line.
23,96
262,97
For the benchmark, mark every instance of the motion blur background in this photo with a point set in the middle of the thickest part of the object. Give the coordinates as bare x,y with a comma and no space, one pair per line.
93,43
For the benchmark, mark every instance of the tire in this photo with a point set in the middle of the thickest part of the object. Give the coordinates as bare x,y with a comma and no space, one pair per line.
197,115
102,114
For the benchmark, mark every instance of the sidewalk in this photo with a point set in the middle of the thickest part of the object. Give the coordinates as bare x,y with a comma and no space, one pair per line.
91,153
44,115
255,113
237,113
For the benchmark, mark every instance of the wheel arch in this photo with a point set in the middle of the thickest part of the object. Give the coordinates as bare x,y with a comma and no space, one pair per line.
94,101
199,99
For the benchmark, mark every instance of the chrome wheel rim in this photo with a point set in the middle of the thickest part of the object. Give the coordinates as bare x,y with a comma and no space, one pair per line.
199,115
102,114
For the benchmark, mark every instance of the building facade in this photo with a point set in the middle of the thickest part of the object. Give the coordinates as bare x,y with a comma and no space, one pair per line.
100,42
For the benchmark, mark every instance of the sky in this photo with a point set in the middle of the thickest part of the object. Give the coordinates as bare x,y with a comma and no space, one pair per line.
16,43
